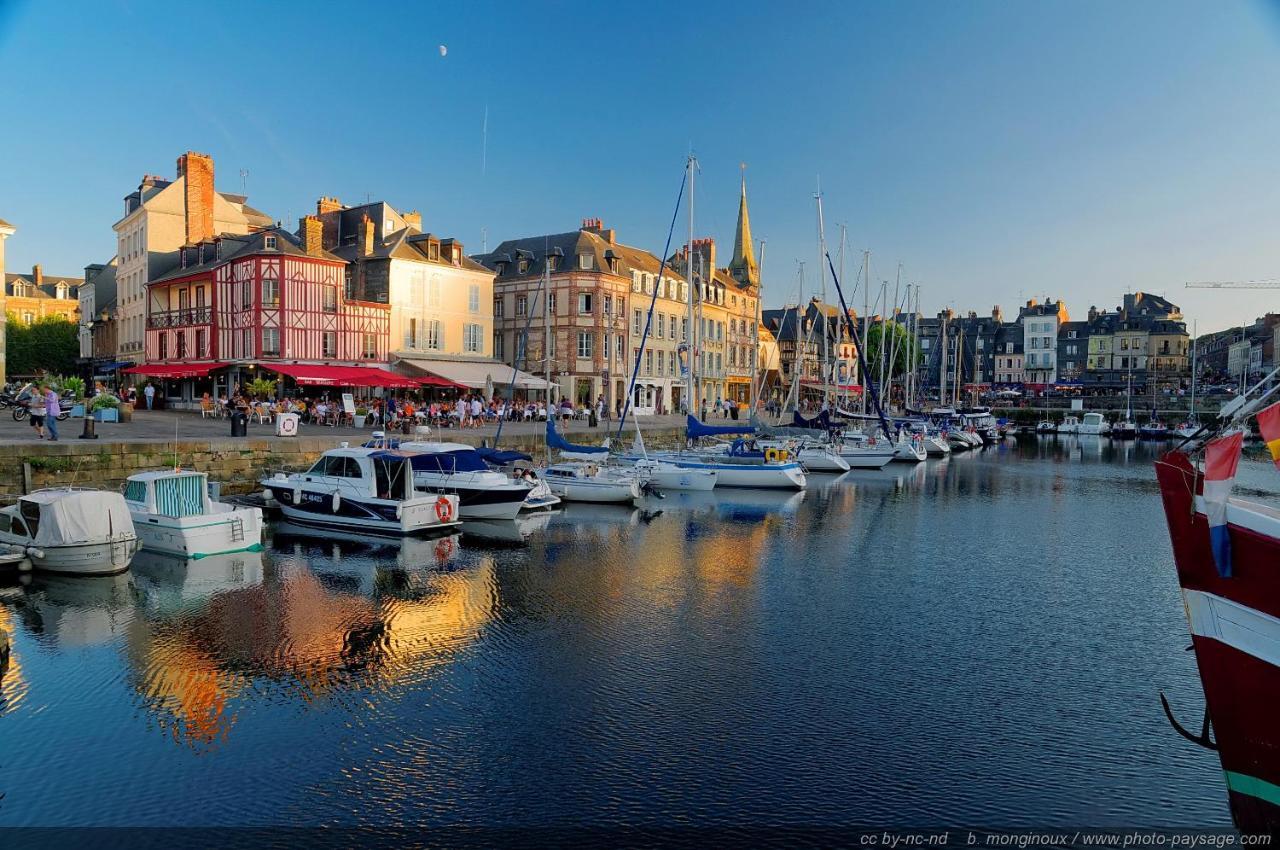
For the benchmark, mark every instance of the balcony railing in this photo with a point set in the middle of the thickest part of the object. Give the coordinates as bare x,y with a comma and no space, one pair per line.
180,318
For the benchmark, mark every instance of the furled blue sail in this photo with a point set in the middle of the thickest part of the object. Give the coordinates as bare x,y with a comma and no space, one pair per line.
821,422
499,457
696,429
568,449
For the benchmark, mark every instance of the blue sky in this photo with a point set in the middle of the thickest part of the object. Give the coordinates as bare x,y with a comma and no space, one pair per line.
999,151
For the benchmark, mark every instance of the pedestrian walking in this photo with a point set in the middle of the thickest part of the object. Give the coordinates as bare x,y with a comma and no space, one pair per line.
36,409
52,407
150,392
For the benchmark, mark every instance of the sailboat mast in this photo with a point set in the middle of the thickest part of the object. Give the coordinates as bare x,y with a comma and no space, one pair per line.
822,314
546,330
866,319
942,364
1194,341
757,377
691,405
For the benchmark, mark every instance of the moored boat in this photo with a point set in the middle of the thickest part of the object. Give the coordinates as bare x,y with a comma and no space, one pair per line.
1046,426
69,530
584,481
174,514
362,489
458,468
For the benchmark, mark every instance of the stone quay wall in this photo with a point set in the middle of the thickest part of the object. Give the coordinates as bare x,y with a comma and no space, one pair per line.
236,463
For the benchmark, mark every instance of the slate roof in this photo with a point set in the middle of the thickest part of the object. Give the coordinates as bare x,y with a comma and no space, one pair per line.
233,246
48,289
406,243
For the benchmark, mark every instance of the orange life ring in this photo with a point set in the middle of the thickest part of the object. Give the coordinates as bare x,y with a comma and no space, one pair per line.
444,509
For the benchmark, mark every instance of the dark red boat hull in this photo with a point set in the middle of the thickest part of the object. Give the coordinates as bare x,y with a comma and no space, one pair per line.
1242,691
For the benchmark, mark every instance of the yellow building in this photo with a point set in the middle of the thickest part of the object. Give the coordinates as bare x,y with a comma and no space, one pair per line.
33,296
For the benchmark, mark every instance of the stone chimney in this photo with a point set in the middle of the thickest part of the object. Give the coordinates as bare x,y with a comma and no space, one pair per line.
414,220
997,314
311,230
329,211
37,275
1031,302
197,195
326,205
366,236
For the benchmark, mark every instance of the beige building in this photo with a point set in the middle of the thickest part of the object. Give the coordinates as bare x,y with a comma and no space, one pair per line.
34,296
6,230
159,218
441,300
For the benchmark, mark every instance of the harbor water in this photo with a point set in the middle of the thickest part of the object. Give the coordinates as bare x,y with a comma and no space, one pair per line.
979,640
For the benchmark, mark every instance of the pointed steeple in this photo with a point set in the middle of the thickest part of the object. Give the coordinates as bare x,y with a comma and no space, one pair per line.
743,266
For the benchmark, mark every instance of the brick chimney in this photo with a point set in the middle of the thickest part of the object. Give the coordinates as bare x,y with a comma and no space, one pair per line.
329,211
366,236
414,220
325,205
37,275
197,196
311,230
997,313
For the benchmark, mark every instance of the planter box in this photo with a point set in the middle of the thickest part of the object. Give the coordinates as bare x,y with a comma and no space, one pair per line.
77,411
107,414
359,420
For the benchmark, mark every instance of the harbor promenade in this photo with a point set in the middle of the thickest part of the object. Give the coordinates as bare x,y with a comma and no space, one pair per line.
165,426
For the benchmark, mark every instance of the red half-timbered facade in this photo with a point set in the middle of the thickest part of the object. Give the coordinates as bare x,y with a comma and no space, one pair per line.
262,298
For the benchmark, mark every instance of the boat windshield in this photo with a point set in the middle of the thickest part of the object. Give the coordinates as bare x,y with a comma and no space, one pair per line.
31,515
392,477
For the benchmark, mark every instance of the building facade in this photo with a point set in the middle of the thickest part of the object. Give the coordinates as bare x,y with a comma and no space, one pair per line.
1040,323
267,299
160,217
34,296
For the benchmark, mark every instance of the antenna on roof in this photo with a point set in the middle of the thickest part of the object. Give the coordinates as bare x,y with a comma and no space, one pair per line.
244,181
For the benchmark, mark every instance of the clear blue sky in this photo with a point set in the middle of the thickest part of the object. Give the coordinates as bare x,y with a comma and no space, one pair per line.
998,150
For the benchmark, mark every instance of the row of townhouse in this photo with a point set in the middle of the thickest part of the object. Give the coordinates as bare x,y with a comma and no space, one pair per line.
204,291
1144,341
1244,352
29,297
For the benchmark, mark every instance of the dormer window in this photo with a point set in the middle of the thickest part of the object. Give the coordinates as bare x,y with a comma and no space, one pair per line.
269,243
586,262
523,266
433,250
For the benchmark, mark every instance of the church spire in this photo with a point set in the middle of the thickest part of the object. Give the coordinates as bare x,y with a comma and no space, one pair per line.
743,267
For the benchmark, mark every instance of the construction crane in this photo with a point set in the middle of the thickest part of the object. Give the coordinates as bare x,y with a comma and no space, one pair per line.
1235,284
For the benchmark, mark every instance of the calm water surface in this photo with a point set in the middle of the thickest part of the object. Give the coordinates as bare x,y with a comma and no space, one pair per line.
978,640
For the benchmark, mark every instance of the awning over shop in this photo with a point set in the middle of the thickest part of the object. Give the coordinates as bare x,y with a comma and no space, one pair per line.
342,376
174,371
474,373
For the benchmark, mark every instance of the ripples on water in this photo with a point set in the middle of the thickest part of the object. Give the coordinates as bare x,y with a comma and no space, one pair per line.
978,640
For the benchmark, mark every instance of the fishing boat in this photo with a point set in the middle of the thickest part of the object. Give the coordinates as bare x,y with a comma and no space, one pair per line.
174,514
72,530
1229,573
584,481
458,468
362,489
1046,426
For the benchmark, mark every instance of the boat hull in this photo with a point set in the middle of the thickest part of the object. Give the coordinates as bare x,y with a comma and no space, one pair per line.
200,536
87,559
756,476
1235,628
315,509
600,492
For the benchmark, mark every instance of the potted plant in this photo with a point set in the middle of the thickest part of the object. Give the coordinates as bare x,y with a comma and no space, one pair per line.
73,390
105,408
361,414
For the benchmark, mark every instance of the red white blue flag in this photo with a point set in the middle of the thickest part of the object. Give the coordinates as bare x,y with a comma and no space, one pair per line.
1221,458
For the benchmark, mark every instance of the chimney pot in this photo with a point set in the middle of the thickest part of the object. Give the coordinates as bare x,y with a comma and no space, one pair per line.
197,169
366,236
37,275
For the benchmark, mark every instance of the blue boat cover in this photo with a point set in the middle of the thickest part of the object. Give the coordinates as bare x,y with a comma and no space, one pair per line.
555,441
696,429
499,457
820,422
448,462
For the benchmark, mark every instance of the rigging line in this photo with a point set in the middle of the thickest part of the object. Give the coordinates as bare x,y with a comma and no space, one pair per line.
653,300
521,353
857,343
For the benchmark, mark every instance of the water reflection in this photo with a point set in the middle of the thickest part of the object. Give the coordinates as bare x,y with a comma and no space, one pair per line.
717,646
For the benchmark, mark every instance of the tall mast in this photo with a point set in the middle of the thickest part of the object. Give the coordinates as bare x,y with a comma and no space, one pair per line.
546,329
691,406
893,347
866,319
884,308
942,363
1194,340
757,376
840,325
822,272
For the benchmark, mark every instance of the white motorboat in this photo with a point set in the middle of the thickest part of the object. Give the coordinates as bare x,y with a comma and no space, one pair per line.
173,513
909,447
458,468
1046,426
1092,424
1069,425
67,530
362,489
816,457
1186,430
583,481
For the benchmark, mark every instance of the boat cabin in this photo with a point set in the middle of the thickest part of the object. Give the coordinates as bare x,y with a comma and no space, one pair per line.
379,473
171,493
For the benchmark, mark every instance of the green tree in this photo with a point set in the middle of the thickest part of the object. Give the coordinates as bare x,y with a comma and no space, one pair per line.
897,342
48,345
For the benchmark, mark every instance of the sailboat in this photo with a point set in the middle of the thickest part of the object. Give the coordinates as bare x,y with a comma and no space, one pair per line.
583,475
1126,428
1192,426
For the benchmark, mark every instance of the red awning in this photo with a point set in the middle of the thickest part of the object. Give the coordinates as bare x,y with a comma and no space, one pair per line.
342,376
442,383
174,370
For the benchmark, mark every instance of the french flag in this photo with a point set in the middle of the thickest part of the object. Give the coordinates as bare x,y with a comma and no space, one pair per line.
1221,458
